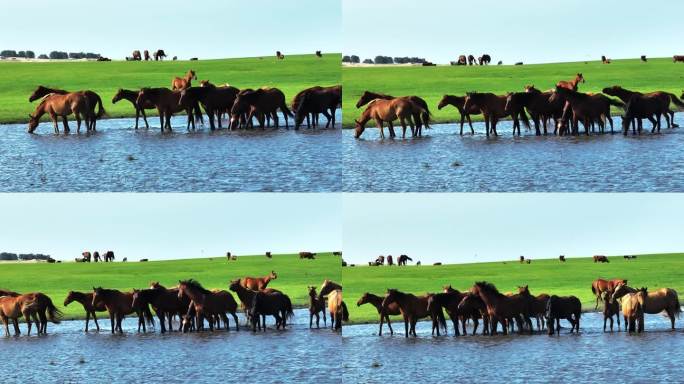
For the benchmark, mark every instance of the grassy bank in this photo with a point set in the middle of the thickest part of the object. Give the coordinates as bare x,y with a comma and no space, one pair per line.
290,75
574,277
294,275
431,83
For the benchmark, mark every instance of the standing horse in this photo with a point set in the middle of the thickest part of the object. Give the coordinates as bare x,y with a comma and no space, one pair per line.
661,300
317,100
539,105
572,84
13,307
382,110
246,297
86,300
338,309
328,286
276,304
537,304
260,103
449,300
459,102
563,307
208,304
132,97
652,103
167,103
412,308
610,308
376,301
502,308
215,100
164,302
180,83
472,306
493,108
599,286
316,305
588,108
258,283
94,101
119,304
56,106
419,118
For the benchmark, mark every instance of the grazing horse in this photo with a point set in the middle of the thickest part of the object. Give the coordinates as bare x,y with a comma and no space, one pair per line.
540,105
208,304
419,118
449,300
599,286
472,306
376,301
57,105
94,101
537,304
183,82
136,55
661,300
572,84
159,55
147,55
403,259
678,58
382,110
338,309
316,305
459,102
600,259
493,108
563,307
215,100
471,60
276,304
307,255
119,304
258,283
610,308
412,308
317,100
132,97
260,103
588,108
501,308
86,300
167,103
648,104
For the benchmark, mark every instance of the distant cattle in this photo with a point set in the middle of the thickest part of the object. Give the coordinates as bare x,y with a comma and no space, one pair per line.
528,261
484,59
678,58
96,256
344,263
279,55
159,55
390,260
605,60
380,260
144,260
561,258
519,63
125,259
643,58
338,253
628,257
87,256
307,255
147,55
193,59
499,63
522,259
102,58
319,54
136,56
228,255
403,259
51,260
471,60
175,58
233,258
109,256
601,259
418,263
437,263
268,254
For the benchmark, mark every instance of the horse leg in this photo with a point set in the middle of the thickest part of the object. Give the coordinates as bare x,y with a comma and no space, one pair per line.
27,317
486,118
406,326
224,317
402,121
95,319
54,121
65,123
111,320
161,119
87,320
390,126
311,315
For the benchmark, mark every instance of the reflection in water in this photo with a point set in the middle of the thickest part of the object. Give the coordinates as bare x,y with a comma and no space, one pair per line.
119,158
443,161
69,355
653,356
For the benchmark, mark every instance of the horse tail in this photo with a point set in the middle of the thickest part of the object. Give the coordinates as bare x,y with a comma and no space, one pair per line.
593,289
616,103
198,114
524,118
54,314
425,115
288,308
100,109
147,314
286,110
675,100
678,306
345,312
441,319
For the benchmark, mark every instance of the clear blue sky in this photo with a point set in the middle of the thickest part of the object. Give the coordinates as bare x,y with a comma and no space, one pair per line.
460,227
531,31
169,226
201,28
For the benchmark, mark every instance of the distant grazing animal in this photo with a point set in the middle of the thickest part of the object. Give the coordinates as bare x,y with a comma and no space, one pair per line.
318,54
380,260
563,307
144,260
678,58
599,286
418,263
175,58
87,256
159,55
307,255
125,259
605,60
109,256
390,260
499,63
561,258
337,253
462,60
147,55
185,81
228,254
136,55
403,259
519,63
437,263
643,58
522,259
601,259
316,305
233,258
193,59
391,310
268,254
459,102
528,261
471,60
279,55
484,59
258,283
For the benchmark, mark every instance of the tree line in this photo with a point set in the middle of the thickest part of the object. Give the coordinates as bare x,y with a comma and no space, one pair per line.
23,256
53,55
384,60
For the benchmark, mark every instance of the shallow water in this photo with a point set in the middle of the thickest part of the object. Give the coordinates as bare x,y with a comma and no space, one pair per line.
119,158
68,355
653,356
443,161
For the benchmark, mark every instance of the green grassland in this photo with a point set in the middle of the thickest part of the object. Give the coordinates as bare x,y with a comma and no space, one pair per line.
574,277
55,280
431,83
291,75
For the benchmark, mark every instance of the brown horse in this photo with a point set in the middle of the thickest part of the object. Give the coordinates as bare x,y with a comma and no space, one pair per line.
661,300
516,109
562,307
653,102
449,301
412,308
382,110
537,304
208,304
119,304
260,103
376,301
246,297
572,84
215,100
599,286
317,100
57,105
86,300
180,83
502,308
587,108
328,286
167,103
165,303
316,305
276,304
633,312
678,58
472,306
337,309
420,118
539,105
610,308
258,283
132,97
493,108
93,99
13,307
459,102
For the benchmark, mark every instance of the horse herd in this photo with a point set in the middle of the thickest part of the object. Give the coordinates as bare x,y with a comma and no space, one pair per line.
564,104
240,105
189,302
483,302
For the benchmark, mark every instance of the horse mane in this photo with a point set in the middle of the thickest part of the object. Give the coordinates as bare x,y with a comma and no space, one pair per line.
488,287
104,292
195,284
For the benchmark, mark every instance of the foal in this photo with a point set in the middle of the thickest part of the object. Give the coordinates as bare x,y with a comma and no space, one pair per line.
316,305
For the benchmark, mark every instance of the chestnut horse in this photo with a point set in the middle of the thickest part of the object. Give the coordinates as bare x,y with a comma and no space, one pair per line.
132,97
338,309
412,308
57,105
376,301
13,307
86,300
459,102
652,103
208,304
258,283
276,304
661,300
167,103
420,119
501,308
260,103
119,304
633,312
562,307
45,309
317,100
328,286
215,100
493,108
316,305
93,99
588,108
382,110
180,83
599,286
572,84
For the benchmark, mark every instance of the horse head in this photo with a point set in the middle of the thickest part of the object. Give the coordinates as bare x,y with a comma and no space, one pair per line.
33,123
443,103
359,127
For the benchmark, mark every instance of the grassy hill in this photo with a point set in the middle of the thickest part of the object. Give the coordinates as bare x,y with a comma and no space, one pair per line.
574,277
55,280
431,83
290,75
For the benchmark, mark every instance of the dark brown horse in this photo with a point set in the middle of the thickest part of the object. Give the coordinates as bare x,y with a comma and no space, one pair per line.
167,103
215,100
316,305
94,101
420,118
412,308
86,300
386,111
258,283
376,301
539,105
276,304
537,304
449,300
183,82
493,108
599,286
246,297
587,108
208,303
562,307
459,102
647,104
132,97
165,303
315,100
119,304
572,84
610,308
502,308
260,103
472,306
57,106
